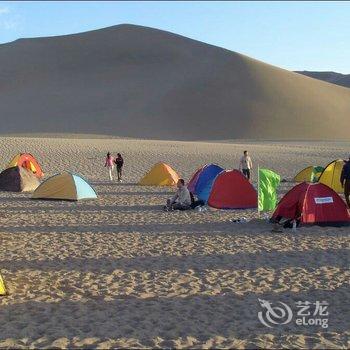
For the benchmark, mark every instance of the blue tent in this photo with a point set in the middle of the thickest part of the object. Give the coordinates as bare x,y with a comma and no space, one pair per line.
205,181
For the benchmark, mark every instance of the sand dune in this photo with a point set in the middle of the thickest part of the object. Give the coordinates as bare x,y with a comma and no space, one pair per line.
120,272
331,77
134,81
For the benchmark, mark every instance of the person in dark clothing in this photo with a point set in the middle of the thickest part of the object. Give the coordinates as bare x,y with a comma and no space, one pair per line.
345,181
119,162
196,202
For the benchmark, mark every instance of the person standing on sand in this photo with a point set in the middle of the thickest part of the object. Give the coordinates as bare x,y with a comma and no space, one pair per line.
110,165
119,161
345,181
246,165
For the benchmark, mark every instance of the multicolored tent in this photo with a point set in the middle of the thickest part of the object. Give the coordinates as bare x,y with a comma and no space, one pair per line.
202,181
313,204
3,290
309,174
27,161
331,175
18,179
65,186
232,190
160,175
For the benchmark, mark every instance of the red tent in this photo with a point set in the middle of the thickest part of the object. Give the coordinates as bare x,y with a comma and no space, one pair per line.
232,190
313,204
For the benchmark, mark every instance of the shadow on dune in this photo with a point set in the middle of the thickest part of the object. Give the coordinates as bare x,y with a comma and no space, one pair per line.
157,228
112,183
124,193
250,229
201,317
83,207
311,259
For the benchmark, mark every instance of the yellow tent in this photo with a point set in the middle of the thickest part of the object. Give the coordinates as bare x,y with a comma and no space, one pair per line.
160,175
2,286
65,186
309,174
331,175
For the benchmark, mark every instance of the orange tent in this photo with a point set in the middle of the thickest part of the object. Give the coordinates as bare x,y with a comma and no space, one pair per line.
27,161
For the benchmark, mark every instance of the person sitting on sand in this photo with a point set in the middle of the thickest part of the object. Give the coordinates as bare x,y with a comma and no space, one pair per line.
119,161
196,202
181,199
345,181
110,165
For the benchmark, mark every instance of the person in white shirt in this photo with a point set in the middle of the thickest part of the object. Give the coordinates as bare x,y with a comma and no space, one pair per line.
246,165
182,198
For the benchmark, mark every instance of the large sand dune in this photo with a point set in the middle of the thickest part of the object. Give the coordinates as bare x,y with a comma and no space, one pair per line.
135,81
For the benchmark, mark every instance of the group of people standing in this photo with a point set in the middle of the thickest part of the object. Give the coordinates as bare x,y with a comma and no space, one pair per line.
117,161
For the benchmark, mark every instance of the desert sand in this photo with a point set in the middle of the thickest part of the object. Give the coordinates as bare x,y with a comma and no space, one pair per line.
120,272
140,82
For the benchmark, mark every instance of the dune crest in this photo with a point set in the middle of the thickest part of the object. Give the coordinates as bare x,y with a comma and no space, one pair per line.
133,81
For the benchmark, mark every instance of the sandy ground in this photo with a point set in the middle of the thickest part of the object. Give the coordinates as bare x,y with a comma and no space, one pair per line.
119,272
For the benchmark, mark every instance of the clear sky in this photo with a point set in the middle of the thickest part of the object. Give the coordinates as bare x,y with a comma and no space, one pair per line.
291,35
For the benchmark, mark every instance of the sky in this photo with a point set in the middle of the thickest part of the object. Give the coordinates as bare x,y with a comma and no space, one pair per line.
292,35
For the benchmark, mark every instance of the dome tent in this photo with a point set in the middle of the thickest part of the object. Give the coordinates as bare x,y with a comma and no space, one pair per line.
65,186
331,175
313,204
309,174
3,290
232,190
160,175
18,179
202,181
27,161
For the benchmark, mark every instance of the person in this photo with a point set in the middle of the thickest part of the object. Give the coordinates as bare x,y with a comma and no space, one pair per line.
110,165
119,161
196,202
345,181
181,199
246,165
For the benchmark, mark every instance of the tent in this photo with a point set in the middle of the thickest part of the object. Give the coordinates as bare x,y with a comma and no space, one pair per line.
331,175
18,179
309,174
315,204
191,185
65,186
232,190
2,286
160,175
27,161
202,181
